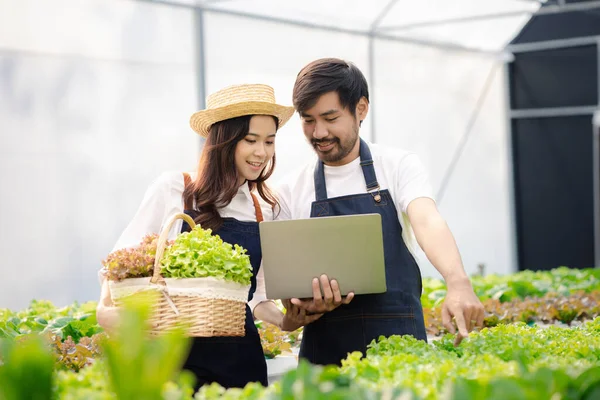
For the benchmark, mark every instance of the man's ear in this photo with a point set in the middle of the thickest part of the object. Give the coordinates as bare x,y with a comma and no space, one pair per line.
362,109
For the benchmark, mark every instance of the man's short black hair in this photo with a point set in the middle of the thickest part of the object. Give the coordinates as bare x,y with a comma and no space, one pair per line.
329,75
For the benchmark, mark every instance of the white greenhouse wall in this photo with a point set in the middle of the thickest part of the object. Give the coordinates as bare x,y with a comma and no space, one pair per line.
94,102
95,99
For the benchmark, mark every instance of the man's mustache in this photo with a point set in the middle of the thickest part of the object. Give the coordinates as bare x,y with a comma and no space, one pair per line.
317,141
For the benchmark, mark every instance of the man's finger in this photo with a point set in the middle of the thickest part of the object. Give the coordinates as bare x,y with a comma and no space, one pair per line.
304,319
447,320
461,324
348,298
337,295
459,338
317,297
304,304
468,315
300,313
327,292
463,321
481,317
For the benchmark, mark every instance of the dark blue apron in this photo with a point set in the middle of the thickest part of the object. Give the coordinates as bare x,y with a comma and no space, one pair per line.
232,361
353,326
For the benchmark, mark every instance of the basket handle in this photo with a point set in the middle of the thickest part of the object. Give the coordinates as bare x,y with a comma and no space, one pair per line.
162,242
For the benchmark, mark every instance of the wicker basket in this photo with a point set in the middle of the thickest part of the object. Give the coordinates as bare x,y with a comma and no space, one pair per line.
208,306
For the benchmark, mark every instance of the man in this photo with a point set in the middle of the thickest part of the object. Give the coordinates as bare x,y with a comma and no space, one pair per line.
354,177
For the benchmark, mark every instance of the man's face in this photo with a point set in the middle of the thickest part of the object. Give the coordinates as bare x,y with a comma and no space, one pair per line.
333,130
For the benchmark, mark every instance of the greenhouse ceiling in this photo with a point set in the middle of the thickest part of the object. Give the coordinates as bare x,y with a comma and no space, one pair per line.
472,25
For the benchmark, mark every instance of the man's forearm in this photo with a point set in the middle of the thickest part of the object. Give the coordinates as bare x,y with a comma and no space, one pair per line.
438,244
436,240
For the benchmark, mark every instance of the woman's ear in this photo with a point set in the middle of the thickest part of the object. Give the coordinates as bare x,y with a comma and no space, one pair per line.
362,109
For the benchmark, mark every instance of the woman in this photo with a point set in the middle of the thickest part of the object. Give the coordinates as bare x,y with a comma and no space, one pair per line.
240,125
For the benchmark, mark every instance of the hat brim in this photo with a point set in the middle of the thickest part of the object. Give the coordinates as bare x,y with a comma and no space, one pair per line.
201,121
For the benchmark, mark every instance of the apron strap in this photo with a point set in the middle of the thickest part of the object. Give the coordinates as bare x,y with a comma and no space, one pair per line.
366,163
188,202
257,209
320,189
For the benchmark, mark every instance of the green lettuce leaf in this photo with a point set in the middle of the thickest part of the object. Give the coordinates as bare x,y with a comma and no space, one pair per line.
198,254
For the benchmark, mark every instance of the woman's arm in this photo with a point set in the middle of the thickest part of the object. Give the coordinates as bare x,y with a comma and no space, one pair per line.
266,310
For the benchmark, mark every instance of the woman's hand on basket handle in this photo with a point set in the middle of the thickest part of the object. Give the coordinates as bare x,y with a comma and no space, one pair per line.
106,312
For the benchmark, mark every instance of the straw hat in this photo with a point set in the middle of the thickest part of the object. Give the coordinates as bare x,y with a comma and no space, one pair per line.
236,101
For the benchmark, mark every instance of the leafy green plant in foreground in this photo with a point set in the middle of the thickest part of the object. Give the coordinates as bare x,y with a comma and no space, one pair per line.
139,365
504,352
26,370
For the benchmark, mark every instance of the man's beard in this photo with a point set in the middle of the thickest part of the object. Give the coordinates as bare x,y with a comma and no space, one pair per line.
340,149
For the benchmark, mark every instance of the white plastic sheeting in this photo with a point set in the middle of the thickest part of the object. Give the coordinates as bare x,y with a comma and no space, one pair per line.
94,102
95,99
406,19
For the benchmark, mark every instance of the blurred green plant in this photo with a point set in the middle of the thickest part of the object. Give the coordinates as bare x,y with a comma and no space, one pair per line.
27,369
139,364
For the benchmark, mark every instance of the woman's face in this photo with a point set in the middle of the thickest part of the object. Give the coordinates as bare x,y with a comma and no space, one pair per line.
256,149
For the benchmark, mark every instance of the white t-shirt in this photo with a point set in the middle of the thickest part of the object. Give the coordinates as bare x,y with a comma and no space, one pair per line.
399,171
163,199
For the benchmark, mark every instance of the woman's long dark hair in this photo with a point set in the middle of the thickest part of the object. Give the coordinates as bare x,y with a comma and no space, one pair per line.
217,181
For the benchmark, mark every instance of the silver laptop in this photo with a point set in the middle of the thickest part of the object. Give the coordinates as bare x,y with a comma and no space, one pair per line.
348,248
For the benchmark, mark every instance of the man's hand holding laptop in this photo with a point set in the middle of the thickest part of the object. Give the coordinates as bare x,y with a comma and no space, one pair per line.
323,301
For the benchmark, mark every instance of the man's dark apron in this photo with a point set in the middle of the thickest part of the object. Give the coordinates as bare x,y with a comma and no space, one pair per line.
232,361
353,326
